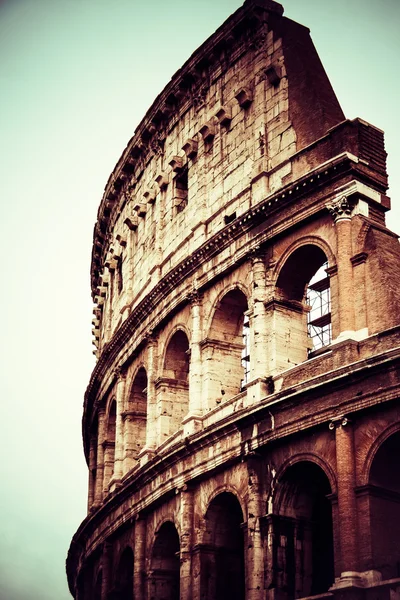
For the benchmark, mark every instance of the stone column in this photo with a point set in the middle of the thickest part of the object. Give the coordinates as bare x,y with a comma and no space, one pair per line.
340,210
360,293
347,510
192,421
255,554
92,470
119,434
106,569
109,461
151,429
139,569
98,490
259,350
186,543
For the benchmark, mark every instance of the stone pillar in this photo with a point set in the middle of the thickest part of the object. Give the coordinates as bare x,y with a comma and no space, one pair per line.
347,510
98,490
186,543
92,470
139,569
119,434
106,569
259,348
360,293
151,430
192,421
255,554
109,461
340,210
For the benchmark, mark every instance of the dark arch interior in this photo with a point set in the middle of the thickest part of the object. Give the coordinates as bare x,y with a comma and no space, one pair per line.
165,564
303,532
112,416
97,587
123,580
384,502
222,557
138,397
177,357
298,269
227,323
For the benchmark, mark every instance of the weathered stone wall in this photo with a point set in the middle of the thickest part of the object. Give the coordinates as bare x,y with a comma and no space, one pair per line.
229,458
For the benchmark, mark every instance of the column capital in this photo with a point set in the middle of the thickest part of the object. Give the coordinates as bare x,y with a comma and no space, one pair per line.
340,208
194,297
120,374
150,337
339,422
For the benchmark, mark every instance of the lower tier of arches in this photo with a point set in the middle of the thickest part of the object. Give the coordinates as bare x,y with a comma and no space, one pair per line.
299,520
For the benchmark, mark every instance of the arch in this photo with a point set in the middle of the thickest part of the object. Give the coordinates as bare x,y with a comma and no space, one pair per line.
302,304
172,388
373,449
309,240
225,488
123,579
165,563
302,529
384,505
298,268
178,328
176,356
237,285
135,418
222,574
226,350
307,457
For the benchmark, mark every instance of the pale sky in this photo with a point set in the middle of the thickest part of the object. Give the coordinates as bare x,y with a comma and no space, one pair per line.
76,78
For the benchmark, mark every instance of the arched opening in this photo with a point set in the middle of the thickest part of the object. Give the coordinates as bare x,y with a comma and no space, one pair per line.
384,500
109,446
302,533
165,561
97,587
173,387
123,578
222,554
226,351
302,307
135,420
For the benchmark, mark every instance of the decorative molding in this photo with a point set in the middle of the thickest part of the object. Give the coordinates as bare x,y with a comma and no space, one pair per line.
340,208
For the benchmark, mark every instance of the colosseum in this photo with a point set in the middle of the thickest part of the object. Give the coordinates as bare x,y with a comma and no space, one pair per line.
242,424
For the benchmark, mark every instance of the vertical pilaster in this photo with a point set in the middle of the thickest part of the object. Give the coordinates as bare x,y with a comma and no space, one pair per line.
255,553
340,210
259,347
347,513
192,420
360,293
92,469
119,434
151,429
106,569
139,568
186,543
98,491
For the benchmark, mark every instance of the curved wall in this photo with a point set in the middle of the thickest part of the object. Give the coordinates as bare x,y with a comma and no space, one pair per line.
225,419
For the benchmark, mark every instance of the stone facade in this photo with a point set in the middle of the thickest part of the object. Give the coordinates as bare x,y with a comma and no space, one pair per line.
242,424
